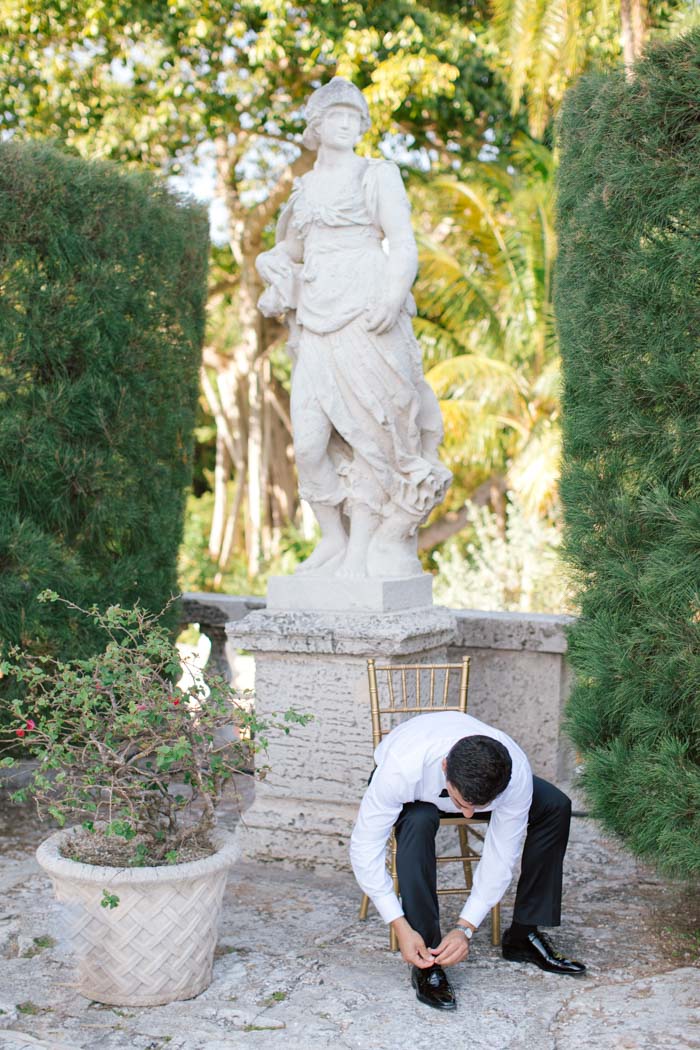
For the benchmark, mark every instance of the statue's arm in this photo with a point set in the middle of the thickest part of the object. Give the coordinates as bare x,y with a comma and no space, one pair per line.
394,216
279,269
288,238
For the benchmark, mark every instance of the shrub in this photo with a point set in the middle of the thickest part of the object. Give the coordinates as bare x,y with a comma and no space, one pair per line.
121,745
103,278
519,571
627,307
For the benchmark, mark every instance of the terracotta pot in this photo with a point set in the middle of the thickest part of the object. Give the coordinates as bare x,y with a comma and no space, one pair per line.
158,944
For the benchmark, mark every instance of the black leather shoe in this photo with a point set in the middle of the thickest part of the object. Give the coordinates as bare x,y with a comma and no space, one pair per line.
538,949
433,988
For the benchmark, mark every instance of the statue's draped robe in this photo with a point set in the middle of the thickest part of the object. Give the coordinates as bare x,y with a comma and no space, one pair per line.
386,423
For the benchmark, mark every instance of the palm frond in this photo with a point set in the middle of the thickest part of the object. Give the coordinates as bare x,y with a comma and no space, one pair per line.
474,436
436,342
447,291
534,472
545,45
484,379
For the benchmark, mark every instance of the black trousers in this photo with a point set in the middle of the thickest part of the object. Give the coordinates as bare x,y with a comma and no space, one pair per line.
538,896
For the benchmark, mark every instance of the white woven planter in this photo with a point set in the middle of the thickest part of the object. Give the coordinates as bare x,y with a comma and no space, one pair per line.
158,944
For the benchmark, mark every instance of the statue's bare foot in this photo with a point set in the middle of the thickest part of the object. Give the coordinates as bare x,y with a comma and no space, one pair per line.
353,566
393,559
330,549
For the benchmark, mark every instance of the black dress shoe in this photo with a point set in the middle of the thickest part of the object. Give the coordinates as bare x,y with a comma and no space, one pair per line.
537,949
433,988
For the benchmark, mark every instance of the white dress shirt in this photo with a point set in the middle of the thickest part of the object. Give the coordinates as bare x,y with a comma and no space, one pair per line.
409,769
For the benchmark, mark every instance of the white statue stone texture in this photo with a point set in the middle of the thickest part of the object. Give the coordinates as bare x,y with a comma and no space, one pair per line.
366,424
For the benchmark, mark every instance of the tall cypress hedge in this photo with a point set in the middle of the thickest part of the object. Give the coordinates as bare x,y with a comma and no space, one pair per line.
102,295
629,319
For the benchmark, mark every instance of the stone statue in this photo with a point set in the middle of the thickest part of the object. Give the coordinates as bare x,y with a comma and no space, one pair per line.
366,424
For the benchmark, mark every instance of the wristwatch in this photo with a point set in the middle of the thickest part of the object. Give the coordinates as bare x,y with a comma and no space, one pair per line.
466,930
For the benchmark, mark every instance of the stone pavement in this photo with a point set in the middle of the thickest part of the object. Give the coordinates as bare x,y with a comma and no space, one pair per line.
296,970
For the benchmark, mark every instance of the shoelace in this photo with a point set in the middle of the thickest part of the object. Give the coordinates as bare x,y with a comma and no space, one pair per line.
434,978
550,947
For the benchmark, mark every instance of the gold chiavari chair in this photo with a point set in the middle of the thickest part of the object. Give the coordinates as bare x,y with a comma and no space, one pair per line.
398,691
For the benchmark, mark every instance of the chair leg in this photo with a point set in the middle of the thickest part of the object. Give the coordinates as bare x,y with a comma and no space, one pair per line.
496,925
393,939
465,850
364,906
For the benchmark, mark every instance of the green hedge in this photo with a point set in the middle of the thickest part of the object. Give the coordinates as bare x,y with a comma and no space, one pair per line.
629,320
102,295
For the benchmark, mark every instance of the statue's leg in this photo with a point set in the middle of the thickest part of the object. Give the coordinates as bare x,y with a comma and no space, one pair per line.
319,483
363,525
330,549
394,547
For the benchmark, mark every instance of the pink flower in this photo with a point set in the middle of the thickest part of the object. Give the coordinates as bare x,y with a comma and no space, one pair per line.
140,707
175,703
31,724
19,732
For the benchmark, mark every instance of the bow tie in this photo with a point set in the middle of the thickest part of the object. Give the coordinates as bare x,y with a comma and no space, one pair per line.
444,793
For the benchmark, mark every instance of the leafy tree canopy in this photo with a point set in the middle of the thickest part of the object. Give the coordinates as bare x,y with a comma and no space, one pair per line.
149,82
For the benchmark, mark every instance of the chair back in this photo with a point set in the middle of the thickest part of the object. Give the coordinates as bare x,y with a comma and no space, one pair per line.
399,690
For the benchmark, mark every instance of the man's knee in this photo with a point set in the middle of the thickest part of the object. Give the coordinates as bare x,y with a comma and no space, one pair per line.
550,803
562,806
421,818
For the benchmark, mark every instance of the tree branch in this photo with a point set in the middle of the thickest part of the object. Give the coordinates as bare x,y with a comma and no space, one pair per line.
258,218
453,521
217,412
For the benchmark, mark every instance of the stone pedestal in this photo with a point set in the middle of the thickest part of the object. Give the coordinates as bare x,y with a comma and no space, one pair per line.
316,662
335,594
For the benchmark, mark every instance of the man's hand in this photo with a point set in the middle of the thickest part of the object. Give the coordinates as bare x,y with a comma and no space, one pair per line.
411,944
453,948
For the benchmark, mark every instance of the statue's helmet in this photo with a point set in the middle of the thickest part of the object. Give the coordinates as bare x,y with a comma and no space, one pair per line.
337,92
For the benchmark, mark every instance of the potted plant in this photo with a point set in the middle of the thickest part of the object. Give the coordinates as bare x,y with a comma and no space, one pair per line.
142,764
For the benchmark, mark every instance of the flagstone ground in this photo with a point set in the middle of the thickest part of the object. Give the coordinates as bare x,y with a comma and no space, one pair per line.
296,970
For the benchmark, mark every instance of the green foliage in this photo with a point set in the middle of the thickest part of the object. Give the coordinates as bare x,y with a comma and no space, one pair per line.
629,216
198,571
515,568
101,325
486,325
544,45
114,736
151,82
173,83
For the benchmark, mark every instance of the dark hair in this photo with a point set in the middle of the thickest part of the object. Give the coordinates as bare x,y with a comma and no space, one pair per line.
479,767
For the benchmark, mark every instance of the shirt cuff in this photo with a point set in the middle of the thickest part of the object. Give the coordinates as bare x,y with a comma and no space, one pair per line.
388,906
474,911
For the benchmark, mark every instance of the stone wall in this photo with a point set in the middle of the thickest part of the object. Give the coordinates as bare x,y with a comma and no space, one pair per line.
519,681
519,675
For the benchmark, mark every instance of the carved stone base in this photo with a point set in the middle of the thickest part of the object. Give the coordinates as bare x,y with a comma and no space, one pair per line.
316,662
335,594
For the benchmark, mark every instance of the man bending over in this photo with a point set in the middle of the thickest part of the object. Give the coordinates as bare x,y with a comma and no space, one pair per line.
447,763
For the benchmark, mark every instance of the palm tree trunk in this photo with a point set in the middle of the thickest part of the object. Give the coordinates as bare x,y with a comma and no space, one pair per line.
265,462
221,475
246,230
251,287
634,16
